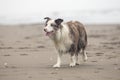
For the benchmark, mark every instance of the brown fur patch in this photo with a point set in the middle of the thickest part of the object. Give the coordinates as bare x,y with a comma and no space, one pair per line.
78,35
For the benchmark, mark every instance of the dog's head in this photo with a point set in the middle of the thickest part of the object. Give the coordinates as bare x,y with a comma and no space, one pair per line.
51,26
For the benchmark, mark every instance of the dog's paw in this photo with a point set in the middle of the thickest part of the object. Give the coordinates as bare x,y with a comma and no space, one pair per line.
56,66
85,59
72,64
77,64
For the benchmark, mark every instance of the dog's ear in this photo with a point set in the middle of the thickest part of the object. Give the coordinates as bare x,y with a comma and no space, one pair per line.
47,18
58,21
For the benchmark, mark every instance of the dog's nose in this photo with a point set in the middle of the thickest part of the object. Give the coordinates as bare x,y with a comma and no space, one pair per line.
45,30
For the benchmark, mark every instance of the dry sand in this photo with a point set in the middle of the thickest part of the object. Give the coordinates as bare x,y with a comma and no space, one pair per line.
27,54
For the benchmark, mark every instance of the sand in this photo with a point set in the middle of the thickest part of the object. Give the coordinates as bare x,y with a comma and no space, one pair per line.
27,54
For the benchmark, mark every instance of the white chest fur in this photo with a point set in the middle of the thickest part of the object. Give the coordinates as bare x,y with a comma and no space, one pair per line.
63,41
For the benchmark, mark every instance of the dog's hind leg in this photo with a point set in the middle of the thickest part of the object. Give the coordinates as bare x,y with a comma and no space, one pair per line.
84,55
58,60
77,63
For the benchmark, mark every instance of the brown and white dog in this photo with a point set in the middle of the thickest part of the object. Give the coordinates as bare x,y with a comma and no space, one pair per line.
69,37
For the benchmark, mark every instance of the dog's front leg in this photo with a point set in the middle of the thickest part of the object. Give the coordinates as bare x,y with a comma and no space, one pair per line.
73,60
58,61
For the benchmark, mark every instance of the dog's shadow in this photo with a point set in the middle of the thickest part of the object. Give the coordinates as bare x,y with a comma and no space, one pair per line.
66,66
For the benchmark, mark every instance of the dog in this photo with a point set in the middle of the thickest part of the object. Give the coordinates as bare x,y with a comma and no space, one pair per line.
68,37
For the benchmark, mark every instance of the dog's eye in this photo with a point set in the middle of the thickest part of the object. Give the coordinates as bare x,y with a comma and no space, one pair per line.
53,25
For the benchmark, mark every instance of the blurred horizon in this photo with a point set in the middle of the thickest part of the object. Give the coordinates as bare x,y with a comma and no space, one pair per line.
34,11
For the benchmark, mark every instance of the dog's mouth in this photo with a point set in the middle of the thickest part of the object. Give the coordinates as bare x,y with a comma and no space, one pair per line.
49,33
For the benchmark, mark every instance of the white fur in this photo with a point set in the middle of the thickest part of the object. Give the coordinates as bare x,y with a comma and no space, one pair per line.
62,43
63,40
49,28
84,55
58,61
73,61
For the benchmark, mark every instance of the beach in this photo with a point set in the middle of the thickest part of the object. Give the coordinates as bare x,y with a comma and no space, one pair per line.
26,53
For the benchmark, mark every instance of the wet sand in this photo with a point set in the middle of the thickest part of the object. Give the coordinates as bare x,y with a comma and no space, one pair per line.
27,54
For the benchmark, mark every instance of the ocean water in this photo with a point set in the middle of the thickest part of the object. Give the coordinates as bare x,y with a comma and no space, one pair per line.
85,16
